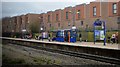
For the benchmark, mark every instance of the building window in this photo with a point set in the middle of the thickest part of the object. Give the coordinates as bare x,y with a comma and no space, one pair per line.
20,20
42,26
94,11
50,25
81,23
114,8
41,19
45,28
66,15
68,23
56,17
48,18
78,14
58,24
26,19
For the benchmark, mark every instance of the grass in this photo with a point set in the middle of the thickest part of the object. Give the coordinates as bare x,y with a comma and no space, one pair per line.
7,60
90,35
36,61
44,61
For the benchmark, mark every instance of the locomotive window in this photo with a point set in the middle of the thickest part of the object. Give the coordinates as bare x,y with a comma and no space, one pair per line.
60,33
74,33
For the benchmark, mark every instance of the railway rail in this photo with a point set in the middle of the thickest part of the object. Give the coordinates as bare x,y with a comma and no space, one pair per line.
99,54
75,54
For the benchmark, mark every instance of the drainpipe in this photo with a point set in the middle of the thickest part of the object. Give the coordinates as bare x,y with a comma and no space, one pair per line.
100,7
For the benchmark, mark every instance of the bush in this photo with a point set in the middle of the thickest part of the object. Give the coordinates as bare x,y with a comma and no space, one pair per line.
89,36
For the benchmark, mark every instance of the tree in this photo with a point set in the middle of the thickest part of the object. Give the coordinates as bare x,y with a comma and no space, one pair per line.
52,28
80,28
34,27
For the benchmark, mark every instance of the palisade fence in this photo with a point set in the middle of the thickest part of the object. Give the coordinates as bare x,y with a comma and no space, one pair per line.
86,35
89,35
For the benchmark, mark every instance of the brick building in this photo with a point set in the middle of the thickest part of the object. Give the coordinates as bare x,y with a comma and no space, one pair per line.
57,19
67,18
9,24
107,11
43,21
18,23
33,19
82,16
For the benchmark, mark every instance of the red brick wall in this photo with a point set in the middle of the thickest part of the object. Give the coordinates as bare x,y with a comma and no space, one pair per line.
97,5
23,22
119,8
56,22
69,10
81,8
58,12
45,21
86,15
33,18
110,8
51,14
6,24
19,22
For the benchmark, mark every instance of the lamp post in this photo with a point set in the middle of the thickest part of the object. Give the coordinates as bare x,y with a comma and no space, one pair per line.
40,24
87,32
23,33
41,29
28,26
24,30
73,17
10,26
74,27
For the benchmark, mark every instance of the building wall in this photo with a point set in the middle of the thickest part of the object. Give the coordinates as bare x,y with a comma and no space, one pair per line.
97,5
82,11
57,23
103,12
9,24
23,25
44,21
5,24
109,17
33,19
110,8
14,24
49,21
67,23
19,22
119,8
41,21
82,18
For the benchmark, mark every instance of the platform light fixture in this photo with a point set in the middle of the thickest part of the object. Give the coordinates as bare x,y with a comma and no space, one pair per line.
24,30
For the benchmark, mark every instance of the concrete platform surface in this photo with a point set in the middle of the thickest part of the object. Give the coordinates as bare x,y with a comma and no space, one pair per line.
82,44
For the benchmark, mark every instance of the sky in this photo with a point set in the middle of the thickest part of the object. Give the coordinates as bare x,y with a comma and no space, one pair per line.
19,7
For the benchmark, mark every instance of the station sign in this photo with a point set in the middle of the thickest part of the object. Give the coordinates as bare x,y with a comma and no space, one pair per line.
99,31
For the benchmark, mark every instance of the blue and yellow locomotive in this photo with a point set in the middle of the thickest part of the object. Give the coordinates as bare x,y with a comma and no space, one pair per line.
66,35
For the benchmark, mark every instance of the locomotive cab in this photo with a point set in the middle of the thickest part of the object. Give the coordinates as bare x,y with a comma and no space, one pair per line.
67,35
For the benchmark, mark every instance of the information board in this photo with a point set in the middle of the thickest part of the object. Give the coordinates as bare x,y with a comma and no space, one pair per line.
99,31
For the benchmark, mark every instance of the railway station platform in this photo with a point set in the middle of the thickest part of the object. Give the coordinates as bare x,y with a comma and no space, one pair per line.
87,44
109,50
83,44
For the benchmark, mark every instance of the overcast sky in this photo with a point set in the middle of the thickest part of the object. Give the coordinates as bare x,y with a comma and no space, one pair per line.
13,7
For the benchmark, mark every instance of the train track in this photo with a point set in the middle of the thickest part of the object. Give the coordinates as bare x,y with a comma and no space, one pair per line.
76,54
